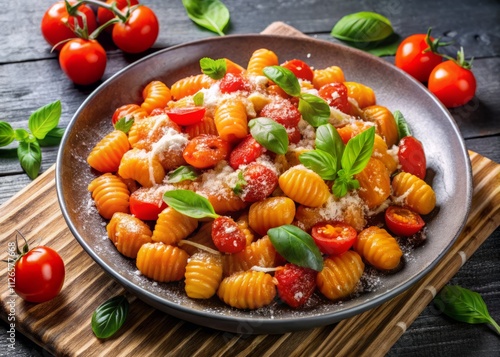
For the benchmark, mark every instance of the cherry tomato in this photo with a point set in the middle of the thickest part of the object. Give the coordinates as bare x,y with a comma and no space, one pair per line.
283,112
233,82
39,274
83,61
104,15
452,84
245,152
138,33
227,235
259,182
412,57
335,94
186,115
403,221
147,204
295,284
333,238
411,156
58,26
300,69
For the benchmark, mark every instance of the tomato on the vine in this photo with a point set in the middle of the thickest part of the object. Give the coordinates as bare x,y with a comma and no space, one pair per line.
138,33
83,61
104,15
334,238
186,115
411,156
417,55
39,274
57,25
300,69
453,83
403,221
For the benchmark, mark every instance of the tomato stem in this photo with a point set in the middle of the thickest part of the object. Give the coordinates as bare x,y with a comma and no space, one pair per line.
434,44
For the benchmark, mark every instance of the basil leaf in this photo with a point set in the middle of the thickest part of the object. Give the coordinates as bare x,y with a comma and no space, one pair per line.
22,135
464,305
110,316
30,157
189,203
210,14
320,162
215,69
284,78
6,133
339,188
269,134
52,138
329,140
362,26
403,128
183,173
314,109
198,99
241,183
358,151
296,246
124,124
44,119
386,47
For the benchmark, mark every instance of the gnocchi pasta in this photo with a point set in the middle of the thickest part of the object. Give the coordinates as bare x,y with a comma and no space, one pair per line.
219,156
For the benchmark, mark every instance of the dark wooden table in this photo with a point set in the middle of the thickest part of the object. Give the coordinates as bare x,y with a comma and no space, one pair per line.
30,77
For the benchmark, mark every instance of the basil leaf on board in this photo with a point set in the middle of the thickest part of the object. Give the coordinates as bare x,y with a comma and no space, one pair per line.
198,99
210,14
314,109
6,133
464,305
44,119
21,134
269,134
30,157
329,140
284,78
52,138
403,128
182,173
110,316
320,162
215,69
189,203
124,124
358,151
365,26
296,246
386,47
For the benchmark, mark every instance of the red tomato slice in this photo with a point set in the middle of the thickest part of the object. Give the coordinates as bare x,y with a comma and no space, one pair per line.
146,204
403,221
187,115
300,69
411,156
334,238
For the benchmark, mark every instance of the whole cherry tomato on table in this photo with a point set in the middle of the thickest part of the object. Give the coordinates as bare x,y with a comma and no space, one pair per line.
138,33
453,82
417,55
39,274
333,238
411,156
403,221
83,61
57,25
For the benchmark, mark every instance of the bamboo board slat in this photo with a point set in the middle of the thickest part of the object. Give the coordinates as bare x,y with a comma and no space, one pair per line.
62,325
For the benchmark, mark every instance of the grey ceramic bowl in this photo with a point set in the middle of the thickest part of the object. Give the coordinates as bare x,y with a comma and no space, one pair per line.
448,164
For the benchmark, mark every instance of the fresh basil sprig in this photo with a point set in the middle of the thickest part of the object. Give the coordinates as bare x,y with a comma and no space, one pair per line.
314,109
190,204
210,14
110,316
124,124
296,246
464,305
269,134
403,128
334,161
43,131
215,69
182,173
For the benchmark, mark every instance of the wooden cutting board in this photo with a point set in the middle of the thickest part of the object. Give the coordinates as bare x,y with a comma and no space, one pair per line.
62,325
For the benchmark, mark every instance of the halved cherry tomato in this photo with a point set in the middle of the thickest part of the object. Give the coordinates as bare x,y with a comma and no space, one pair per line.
227,235
233,82
300,69
295,284
334,238
283,112
186,115
335,94
245,152
138,33
403,221
411,156
147,204
259,181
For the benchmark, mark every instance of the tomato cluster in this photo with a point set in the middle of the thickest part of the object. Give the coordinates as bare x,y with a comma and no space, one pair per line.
71,27
451,81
